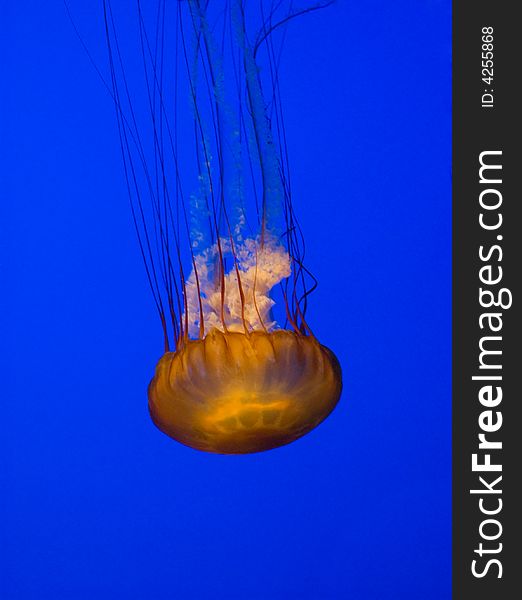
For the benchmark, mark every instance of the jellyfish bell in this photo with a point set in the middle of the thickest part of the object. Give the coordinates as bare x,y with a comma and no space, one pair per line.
236,393
210,193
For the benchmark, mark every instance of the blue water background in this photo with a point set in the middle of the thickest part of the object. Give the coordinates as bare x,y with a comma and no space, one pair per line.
97,503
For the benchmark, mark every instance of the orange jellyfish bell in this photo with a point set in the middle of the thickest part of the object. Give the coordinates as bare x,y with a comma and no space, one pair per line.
235,393
210,194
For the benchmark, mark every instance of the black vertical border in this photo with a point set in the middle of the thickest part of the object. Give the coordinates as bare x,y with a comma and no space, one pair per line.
477,129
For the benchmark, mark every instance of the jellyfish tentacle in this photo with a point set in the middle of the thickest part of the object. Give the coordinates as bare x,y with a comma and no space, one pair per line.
199,13
162,219
264,33
201,137
270,175
254,299
126,129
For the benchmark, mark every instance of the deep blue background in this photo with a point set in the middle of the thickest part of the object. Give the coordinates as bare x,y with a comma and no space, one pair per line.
97,503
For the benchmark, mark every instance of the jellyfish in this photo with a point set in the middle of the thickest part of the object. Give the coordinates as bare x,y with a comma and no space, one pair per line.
206,165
